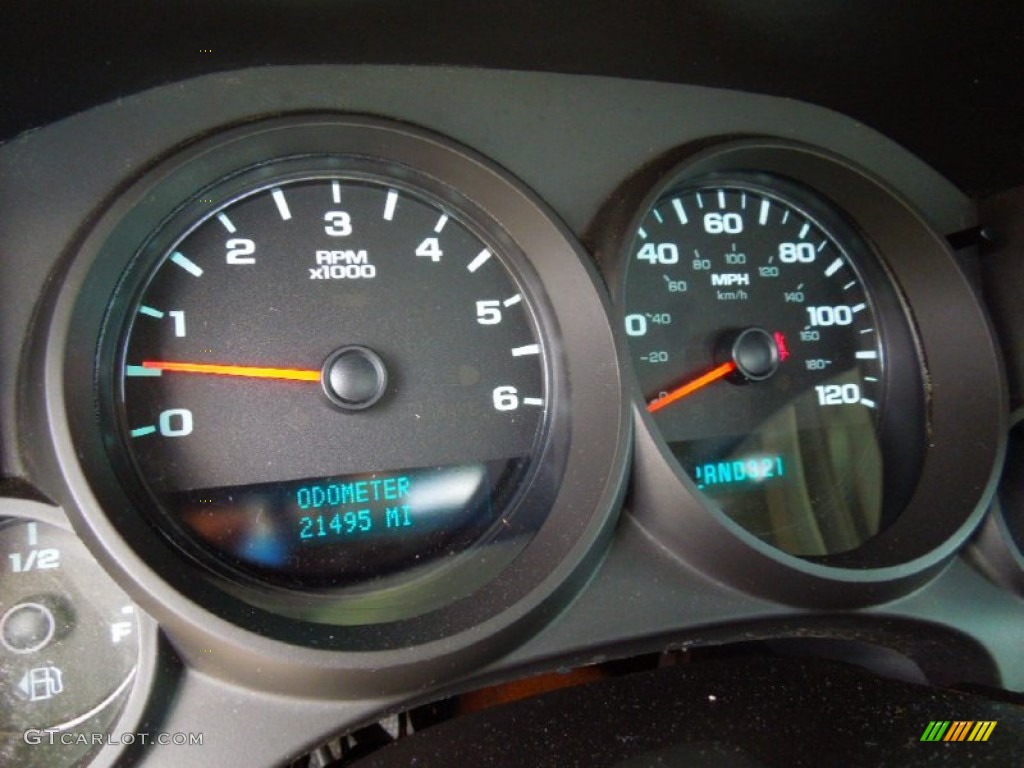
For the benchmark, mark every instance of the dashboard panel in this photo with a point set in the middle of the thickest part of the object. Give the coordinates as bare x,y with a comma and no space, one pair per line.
858,509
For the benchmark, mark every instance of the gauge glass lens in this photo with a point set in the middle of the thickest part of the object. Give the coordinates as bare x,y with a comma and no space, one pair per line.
331,382
760,349
68,647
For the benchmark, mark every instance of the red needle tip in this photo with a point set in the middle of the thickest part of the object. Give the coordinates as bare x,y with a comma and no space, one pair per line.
780,344
251,371
691,386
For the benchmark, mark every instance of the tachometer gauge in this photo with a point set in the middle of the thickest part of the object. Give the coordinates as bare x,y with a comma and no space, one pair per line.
331,358
759,325
331,377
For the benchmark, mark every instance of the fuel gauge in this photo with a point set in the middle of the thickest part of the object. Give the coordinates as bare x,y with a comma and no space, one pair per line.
69,647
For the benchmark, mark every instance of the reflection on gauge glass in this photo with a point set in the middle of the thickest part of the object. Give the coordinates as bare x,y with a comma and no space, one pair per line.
334,381
759,325
68,646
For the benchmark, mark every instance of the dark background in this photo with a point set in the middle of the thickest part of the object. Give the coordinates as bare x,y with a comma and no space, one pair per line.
946,80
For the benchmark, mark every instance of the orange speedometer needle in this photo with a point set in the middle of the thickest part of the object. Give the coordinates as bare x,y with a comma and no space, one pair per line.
250,371
692,386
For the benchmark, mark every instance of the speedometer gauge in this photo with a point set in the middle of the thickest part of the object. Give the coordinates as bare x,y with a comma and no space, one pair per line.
759,325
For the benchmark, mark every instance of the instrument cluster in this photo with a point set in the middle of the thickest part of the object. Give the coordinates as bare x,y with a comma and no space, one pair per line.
362,401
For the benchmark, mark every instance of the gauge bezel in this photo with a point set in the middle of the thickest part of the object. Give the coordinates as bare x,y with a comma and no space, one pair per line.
298,656
998,546
953,489
995,550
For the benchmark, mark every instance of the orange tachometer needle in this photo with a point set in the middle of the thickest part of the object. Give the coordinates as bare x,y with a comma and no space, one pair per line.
691,386
251,371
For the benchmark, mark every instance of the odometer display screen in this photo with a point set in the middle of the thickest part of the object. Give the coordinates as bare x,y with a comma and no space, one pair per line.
756,330
294,531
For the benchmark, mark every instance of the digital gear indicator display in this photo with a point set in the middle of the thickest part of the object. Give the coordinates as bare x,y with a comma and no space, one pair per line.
742,473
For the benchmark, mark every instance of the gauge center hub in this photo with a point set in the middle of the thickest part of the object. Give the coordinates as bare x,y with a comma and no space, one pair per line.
756,354
26,628
354,377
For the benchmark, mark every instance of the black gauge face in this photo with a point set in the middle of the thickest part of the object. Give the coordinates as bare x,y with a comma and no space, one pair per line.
328,381
69,647
759,340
